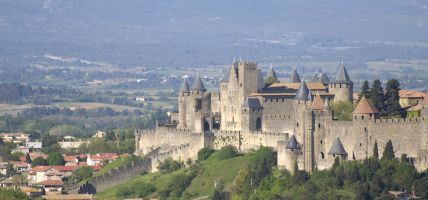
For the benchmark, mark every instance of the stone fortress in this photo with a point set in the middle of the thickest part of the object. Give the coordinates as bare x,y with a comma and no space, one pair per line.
294,118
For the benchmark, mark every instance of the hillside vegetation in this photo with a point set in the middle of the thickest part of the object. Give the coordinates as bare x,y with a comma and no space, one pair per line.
227,175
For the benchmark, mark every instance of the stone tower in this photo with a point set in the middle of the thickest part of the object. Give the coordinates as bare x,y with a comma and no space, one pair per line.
251,114
243,79
342,86
183,98
197,106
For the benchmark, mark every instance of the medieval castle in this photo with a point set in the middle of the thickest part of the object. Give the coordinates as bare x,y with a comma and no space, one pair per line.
293,118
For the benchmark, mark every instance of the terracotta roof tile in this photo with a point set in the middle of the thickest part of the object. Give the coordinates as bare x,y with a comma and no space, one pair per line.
318,103
40,168
365,107
50,182
411,94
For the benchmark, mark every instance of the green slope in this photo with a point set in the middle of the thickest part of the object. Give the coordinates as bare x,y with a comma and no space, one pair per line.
209,172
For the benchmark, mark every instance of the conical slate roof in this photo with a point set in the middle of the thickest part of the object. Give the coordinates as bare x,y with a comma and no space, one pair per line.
272,73
184,87
310,96
365,107
337,148
227,75
295,78
292,143
342,76
317,104
323,78
252,102
302,93
198,85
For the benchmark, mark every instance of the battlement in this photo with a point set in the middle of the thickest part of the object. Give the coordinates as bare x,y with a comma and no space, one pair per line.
412,120
171,152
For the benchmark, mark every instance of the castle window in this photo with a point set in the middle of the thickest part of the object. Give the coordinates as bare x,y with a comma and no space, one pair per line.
319,125
297,124
321,141
240,85
362,117
360,145
322,155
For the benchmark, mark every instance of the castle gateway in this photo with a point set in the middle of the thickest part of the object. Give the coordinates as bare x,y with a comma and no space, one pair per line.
293,118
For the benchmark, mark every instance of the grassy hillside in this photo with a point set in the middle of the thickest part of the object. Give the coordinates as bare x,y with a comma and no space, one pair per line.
202,185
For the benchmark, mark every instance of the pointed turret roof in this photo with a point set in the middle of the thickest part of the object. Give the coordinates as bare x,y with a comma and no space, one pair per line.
337,148
302,93
317,104
365,107
197,84
326,104
342,76
292,143
295,78
310,96
184,86
228,74
252,102
272,73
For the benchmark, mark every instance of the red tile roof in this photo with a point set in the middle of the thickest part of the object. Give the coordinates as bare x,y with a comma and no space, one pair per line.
36,155
50,182
64,168
40,168
70,158
105,156
411,94
317,104
365,107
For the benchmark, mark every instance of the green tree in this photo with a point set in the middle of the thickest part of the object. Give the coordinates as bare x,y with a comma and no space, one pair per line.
170,165
375,150
271,80
365,88
376,95
392,99
82,173
49,140
421,186
388,153
55,159
13,194
343,110
5,153
28,158
39,161
110,135
10,171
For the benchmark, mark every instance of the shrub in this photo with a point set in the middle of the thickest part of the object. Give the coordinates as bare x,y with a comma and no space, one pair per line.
205,153
170,165
226,152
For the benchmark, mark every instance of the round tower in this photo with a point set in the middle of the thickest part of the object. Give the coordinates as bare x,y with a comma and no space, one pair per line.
182,103
342,86
292,152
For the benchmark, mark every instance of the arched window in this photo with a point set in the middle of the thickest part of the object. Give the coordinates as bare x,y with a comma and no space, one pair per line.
258,123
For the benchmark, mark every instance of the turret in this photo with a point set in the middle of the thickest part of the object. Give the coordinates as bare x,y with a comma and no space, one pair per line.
303,93
342,86
318,104
198,85
295,78
338,150
292,153
271,76
182,104
321,78
365,110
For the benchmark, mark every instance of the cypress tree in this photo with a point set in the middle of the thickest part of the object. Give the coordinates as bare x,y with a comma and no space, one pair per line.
388,153
365,88
375,151
392,98
376,95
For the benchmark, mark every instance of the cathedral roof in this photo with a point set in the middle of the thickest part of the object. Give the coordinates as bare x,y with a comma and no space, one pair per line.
337,148
184,86
198,85
272,73
318,103
302,93
365,107
252,102
295,78
342,76
292,143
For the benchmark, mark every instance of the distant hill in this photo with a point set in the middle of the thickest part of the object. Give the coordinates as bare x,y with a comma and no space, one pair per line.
194,32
